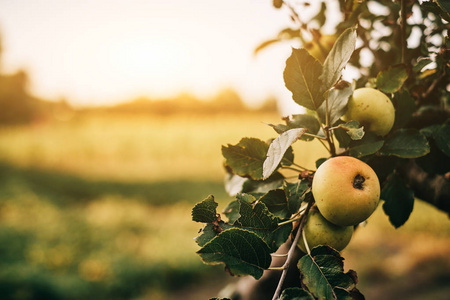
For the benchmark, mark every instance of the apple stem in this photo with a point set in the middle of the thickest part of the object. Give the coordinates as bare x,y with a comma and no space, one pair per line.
289,221
306,242
292,250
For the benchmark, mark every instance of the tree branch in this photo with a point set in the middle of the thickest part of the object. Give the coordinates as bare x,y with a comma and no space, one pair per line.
403,17
291,252
431,188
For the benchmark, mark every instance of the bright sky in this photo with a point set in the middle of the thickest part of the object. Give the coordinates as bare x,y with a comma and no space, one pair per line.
105,51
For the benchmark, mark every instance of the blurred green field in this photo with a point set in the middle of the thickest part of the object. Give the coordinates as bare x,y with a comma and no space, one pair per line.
98,207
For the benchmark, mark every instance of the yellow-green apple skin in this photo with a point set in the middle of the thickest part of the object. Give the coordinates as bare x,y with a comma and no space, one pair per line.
372,109
346,190
318,231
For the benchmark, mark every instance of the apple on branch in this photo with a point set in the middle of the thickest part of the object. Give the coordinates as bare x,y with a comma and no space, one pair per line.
372,109
318,231
346,190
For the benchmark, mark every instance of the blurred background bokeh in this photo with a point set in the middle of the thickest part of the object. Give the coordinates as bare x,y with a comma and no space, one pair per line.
112,117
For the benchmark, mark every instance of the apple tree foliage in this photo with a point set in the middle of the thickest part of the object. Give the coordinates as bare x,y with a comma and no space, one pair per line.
399,47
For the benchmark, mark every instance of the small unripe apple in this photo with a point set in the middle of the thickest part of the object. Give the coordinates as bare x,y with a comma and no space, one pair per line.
318,231
346,190
372,109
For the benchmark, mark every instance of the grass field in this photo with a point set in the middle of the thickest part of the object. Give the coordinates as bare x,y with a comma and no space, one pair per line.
98,207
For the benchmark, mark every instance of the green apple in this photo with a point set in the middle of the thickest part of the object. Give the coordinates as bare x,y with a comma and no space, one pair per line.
372,109
318,231
346,190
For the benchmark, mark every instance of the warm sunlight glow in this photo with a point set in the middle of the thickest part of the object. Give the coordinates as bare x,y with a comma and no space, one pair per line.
102,52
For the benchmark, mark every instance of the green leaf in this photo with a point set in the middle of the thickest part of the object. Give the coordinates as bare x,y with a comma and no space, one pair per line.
242,251
280,236
368,145
353,294
278,148
438,160
301,77
428,6
341,135
320,161
383,165
406,143
353,130
295,193
303,121
210,231
398,200
392,79
276,203
234,184
246,198
247,157
263,186
279,128
337,104
231,211
442,138
205,211
295,294
323,272
430,131
422,63
404,108
288,157
435,162
258,219
338,58
445,7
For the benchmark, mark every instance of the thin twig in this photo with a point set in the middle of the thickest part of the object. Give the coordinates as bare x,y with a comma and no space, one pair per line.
296,216
314,136
330,142
291,252
403,29
323,144
297,165
289,221
293,169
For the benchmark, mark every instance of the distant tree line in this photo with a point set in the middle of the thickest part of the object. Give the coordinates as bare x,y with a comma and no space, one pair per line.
19,106
226,101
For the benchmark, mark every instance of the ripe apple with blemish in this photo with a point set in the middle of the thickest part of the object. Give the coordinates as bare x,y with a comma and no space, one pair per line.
346,190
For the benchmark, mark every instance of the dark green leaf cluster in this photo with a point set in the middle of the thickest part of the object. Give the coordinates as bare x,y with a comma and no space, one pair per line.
323,275
253,231
414,75
415,78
